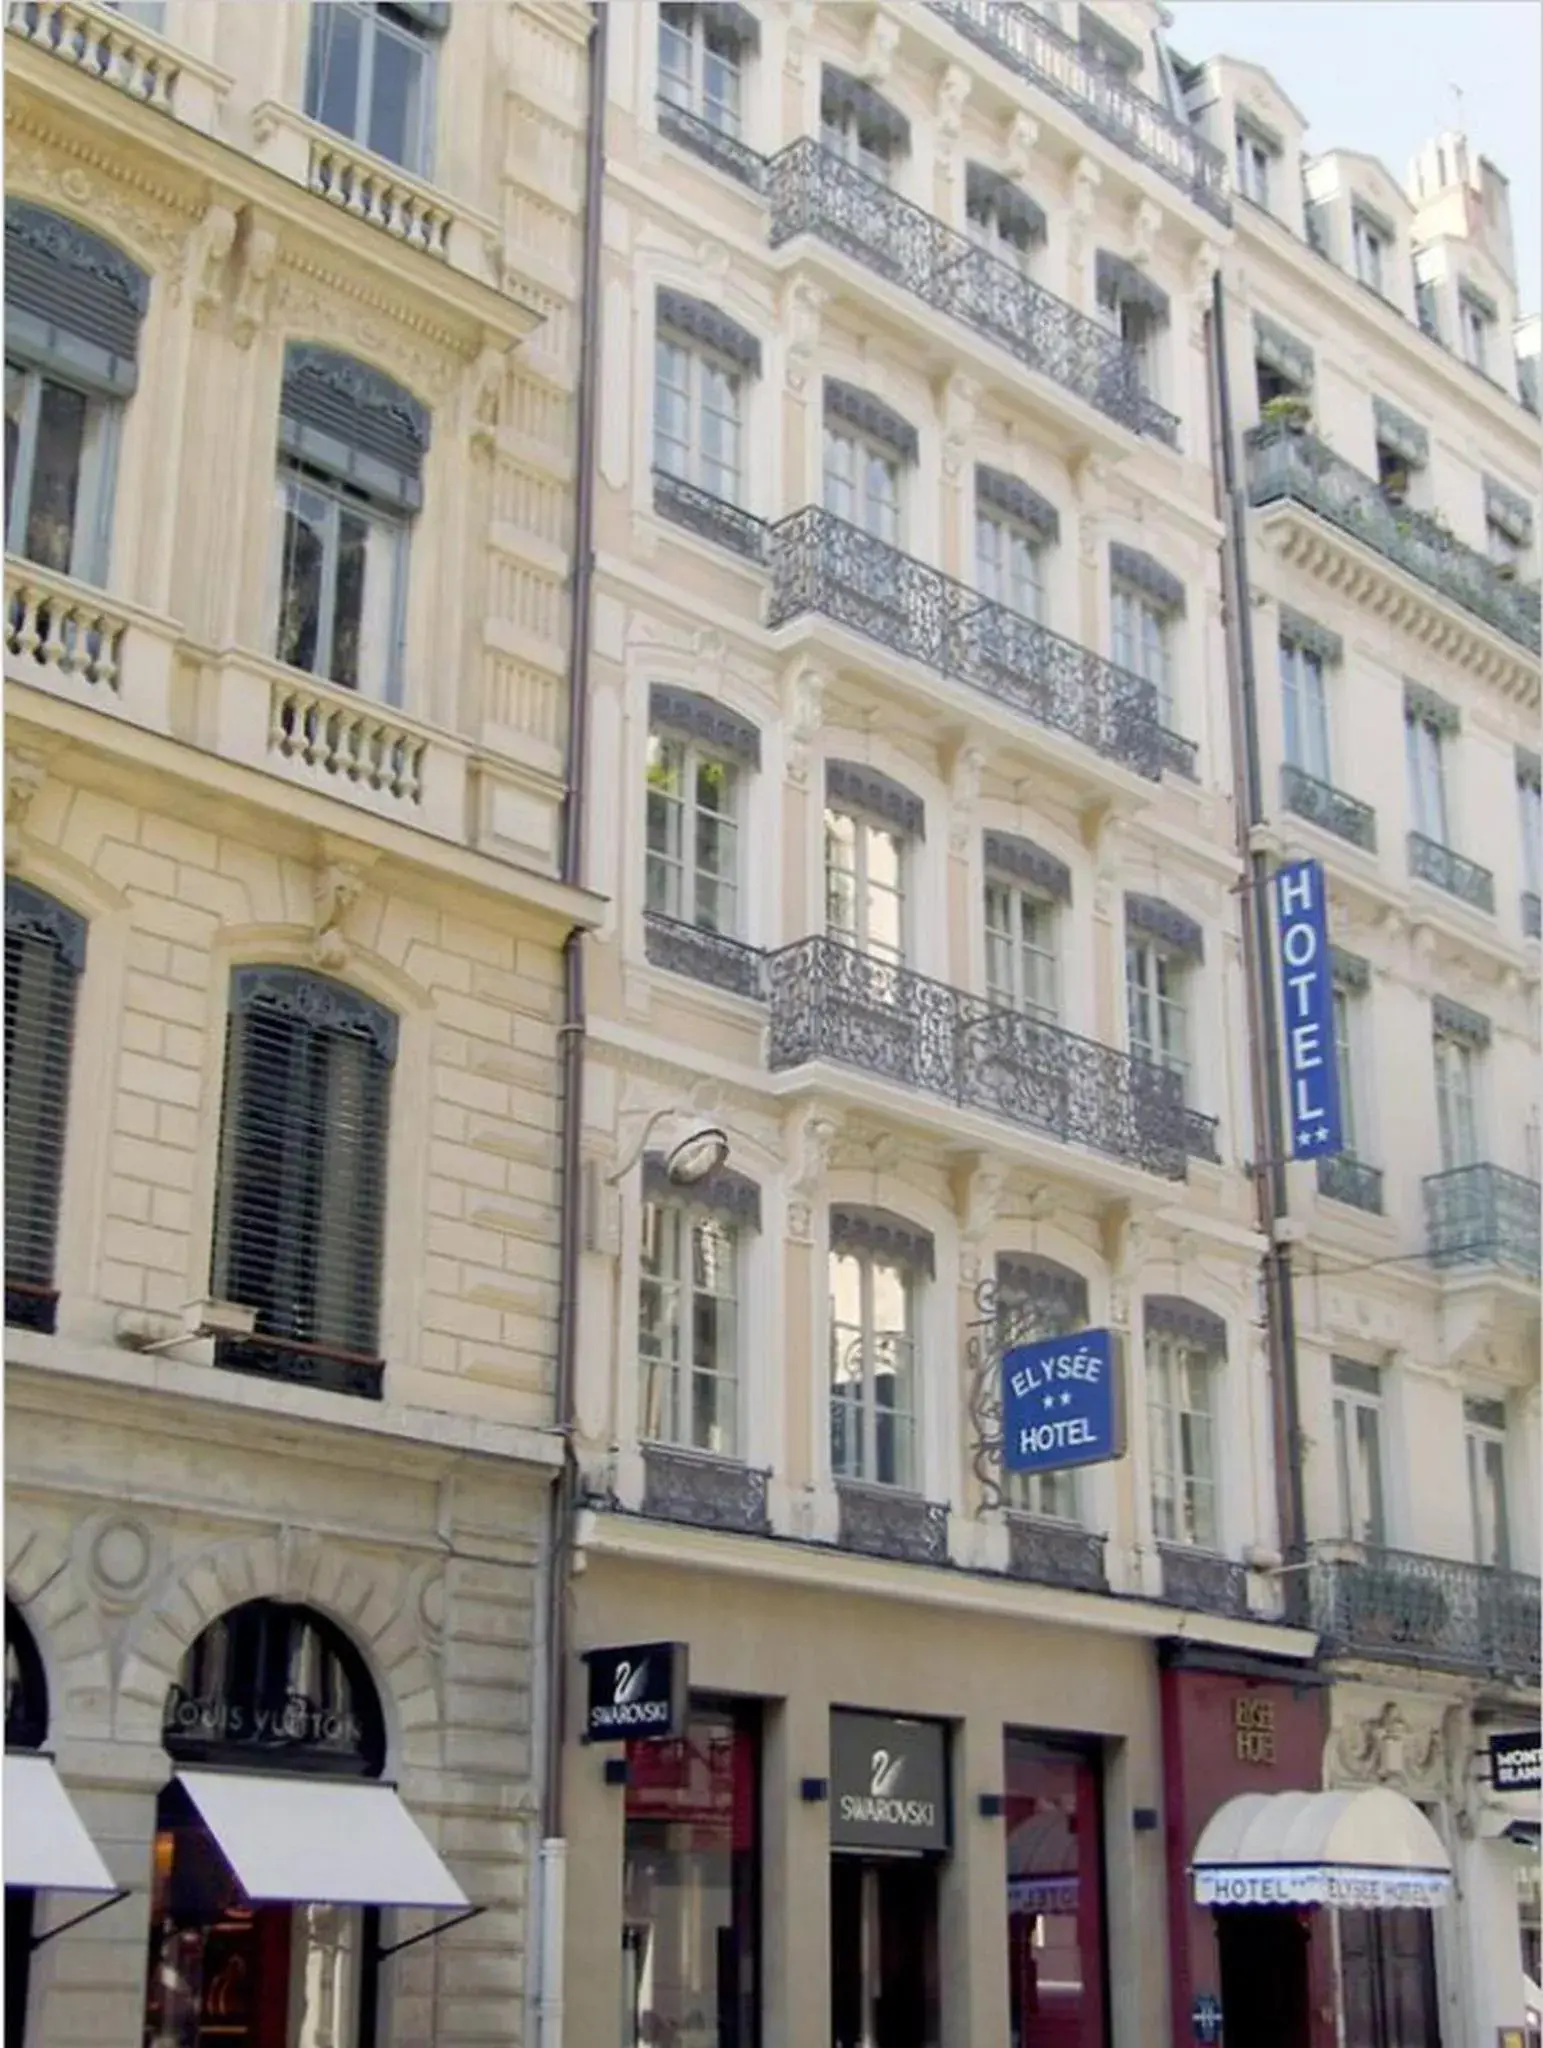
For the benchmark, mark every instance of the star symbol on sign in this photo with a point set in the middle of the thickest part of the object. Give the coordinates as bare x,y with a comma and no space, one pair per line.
1066,1399
1049,1401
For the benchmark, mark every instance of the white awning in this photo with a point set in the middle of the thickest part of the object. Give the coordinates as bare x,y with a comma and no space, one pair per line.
1368,1848
322,1840
46,1844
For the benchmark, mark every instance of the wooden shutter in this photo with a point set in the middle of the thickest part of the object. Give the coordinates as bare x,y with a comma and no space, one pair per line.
45,951
300,1208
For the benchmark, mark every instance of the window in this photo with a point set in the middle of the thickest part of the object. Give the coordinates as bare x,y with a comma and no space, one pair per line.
862,482
1000,218
1476,326
688,1329
693,835
1056,1944
865,863
148,13
351,450
1022,968
1457,1113
1427,308
1502,546
1305,704
701,66
1371,250
691,1869
1009,563
1392,474
301,1194
1253,164
1181,1375
370,76
1529,797
872,1366
1424,757
859,125
45,954
1156,987
1346,1005
1141,643
59,448
1358,1451
1484,1437
698,401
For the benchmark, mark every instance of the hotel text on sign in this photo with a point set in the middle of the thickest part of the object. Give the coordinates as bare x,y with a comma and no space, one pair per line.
1059,1404
1307,1012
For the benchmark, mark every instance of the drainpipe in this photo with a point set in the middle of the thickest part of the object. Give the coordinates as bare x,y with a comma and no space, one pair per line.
1270,1187
552,1871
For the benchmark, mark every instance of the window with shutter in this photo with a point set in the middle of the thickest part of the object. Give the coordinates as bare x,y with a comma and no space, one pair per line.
300,1204
45,951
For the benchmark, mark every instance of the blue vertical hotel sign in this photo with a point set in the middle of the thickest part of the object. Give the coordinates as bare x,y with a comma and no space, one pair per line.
1307,1006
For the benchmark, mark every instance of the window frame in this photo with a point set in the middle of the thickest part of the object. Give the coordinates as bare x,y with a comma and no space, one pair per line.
1171,1442
1024,904
1370,250
396,527
1426,774
680,1289
1475,328
1141,639
1360,1483
1144,990
47,929
1345,1017
1481,1435
1018,569
1529,798
1459,1109
702,363
863,885
842,138
378,23
1305,710
868,454
870,1340
1253,164
96,474
686,867
704,46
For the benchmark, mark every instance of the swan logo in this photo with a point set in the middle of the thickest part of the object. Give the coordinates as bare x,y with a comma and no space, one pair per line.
634,1691
631,1681
881,1805
884,1774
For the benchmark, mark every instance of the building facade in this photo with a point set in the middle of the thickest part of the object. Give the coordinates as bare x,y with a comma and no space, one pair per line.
1391,463
289,340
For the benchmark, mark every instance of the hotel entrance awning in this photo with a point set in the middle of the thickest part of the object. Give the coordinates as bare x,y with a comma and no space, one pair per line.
1370,1848
46,1844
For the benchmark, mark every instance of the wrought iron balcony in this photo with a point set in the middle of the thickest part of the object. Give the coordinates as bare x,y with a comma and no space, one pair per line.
1180,756
1202,1136
829,1002
712,957
884,1521
1351,1181
813,191
1284,463
1203,1581
713,518
1055,1554
1401,1607
1322,804
706,1492
1451,872
1532,914
820,563
723,151
1021,38
1483,1216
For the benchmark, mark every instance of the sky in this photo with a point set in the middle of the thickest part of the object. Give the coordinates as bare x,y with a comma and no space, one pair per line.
1379,76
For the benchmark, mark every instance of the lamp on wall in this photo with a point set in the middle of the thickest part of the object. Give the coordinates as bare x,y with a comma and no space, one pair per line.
691,1153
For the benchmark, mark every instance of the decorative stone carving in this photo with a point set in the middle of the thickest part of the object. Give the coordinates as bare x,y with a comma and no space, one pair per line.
1386,1748
214,241
878,56
960,404
119,1555
25,774
357,324
805,693
1086,177
149,223
1022,141
800,22
485,391
1146,222
979,1185
336,886
801,318
811,1144
953,91
258,257
964,796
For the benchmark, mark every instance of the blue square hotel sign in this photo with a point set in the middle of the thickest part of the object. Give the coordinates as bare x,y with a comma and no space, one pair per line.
1061,1404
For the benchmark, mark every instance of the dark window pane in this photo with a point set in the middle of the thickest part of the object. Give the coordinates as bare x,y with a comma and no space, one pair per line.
39,1029
61,443
396,99
299,636
15,398
332,71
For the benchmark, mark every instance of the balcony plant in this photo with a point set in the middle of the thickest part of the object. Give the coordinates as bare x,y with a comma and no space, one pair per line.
1290,410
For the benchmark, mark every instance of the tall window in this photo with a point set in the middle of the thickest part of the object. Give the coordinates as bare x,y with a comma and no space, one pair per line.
1132,307
1371,251
1252,163
351,451
1529,797
698,416
1156,990
74,305
1346,1002
688,1329
1009,563
1424,740
1000,218
859,126
1358,1451
1476,327
693,835
1022,953
1142,635
1457,1099
45,953
1181,1383
301,1195
872,1365
701,66
862,482
1305,701
1484,1437
370,76
865,877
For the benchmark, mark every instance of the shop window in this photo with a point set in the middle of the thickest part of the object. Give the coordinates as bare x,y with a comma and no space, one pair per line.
1055,1895
370,75
45,953
26,1728
691,1908
301,1192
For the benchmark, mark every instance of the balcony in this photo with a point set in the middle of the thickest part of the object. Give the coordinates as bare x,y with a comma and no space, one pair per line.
1284,464
715,519
709,957
1351,1181
1324,805
820,563
1026,43
1202,1137
884,1521
1401,1607
1203,1581
1430,861
1532,914
713,144
1055,1554
1483,1216
1180,756
79,644
829,1002
812,191
704,1492
98,43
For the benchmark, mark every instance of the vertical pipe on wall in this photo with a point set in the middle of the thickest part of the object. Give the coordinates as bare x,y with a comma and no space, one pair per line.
1270,1184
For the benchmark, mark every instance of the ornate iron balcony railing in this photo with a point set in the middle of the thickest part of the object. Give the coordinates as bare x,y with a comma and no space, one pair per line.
704,956
1532,914
1322,804
829,1002
707,1492
1025,42
823,564
1401,1607
1286,463
884,1521
1055,1553
713,518
813,191
1483,1216
1452,872
724,151
1203,1581
1202,1136
1351,1181
1180,755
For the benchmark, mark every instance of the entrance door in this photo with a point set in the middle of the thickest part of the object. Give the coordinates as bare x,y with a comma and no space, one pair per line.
1387,1970
1263,1951
883,1953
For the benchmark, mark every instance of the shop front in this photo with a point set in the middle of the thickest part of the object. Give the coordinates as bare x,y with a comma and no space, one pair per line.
1498,1868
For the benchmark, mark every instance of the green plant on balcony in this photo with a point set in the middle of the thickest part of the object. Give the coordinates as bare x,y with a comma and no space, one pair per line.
1290,410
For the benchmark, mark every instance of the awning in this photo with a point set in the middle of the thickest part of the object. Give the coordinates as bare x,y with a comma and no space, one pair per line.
46,1844
320,1840
1370,1848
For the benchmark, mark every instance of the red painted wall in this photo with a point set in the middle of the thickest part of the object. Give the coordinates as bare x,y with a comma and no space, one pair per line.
1202,1770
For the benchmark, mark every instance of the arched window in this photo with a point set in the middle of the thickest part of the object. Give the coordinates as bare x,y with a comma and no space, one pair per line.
26,1687
300,1203
45,952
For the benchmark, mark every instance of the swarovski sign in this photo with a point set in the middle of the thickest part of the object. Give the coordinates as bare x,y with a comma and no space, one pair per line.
889,1783
638,1689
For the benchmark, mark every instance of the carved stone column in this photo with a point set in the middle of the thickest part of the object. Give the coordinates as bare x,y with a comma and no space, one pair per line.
958,404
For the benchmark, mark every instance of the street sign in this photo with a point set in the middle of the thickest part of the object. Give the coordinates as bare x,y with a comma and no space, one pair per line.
1206,2017
1060,1404
637,1689
1307,1002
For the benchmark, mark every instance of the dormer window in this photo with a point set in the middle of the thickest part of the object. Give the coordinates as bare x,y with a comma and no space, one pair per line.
1403,452
1477,316
1254,163
1372,243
